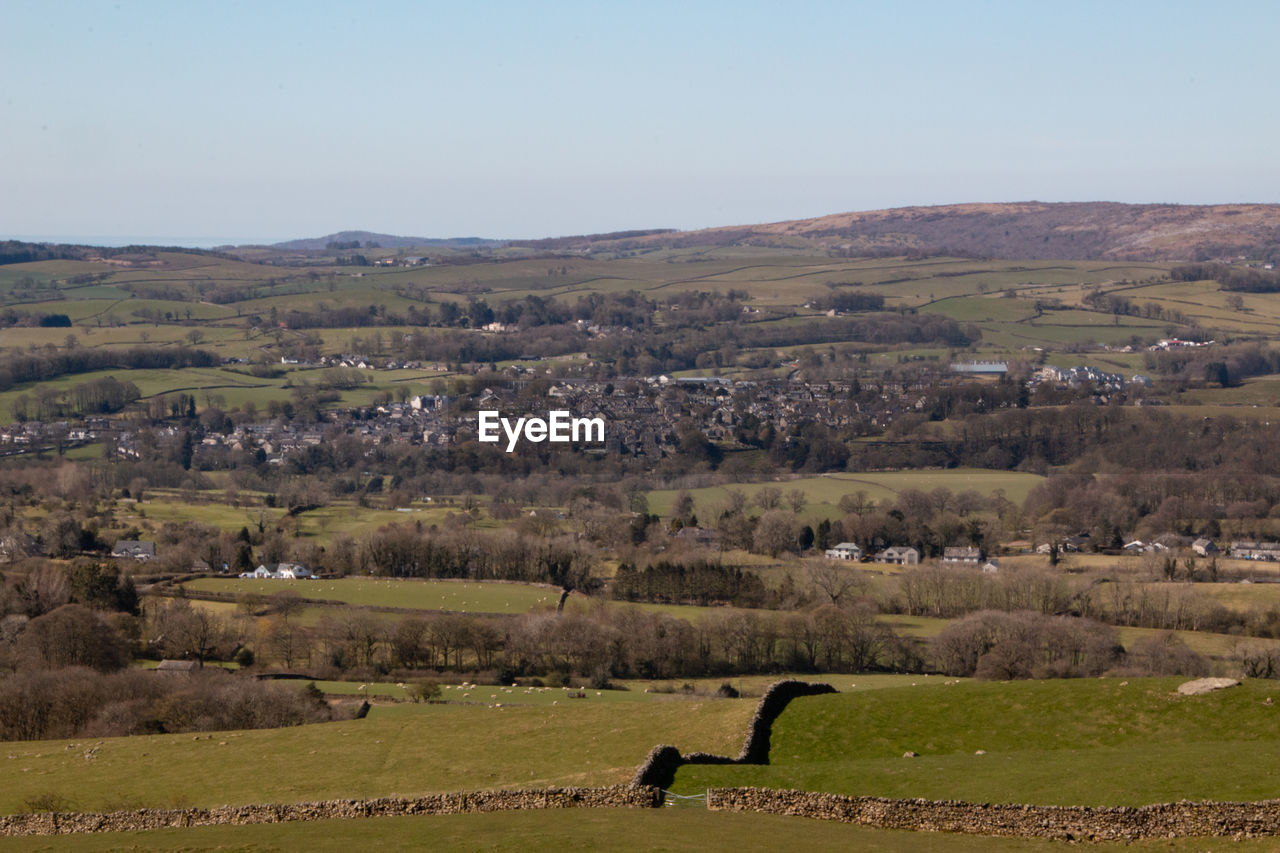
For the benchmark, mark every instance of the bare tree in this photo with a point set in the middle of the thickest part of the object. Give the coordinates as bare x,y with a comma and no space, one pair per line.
834,581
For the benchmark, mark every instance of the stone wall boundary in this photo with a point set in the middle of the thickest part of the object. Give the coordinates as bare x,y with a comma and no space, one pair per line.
1071,823
61,823
660,766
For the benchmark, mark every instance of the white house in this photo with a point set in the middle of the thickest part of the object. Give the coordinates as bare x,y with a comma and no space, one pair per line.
279,571
137,549
845,551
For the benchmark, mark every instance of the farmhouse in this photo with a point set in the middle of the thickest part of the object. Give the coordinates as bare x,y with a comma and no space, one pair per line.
902,555
279,571
963,555
1204,547
845,551
135,549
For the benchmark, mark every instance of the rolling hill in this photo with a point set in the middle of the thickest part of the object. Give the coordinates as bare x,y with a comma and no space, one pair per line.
1016,231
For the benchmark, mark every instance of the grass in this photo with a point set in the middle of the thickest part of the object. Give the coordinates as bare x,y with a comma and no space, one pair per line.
675,830
338,517
403,749
1080,742
463,596
823,493
632,690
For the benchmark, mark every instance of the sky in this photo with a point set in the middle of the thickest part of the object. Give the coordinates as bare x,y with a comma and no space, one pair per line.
211,122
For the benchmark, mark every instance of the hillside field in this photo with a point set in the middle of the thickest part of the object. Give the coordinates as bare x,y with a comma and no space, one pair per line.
1105,741
823,493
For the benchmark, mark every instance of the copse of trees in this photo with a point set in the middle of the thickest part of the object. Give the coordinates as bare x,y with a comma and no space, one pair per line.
79,702
849,301
1003,646
698,582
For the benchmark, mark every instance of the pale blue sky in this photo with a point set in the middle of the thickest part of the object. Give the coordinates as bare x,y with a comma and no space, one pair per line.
271,120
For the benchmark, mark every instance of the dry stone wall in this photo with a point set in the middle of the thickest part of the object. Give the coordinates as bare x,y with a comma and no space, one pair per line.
660,766
1082,823
58,823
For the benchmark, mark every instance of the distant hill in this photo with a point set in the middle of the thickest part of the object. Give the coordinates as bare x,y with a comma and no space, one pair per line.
1020,230
386,241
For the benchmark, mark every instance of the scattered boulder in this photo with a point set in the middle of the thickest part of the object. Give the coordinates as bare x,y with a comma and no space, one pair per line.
910,754
1206,685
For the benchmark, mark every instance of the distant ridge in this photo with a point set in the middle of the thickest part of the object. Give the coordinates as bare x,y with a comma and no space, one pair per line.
386,241
1018,230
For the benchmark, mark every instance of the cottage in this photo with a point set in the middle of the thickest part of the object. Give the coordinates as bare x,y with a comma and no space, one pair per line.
292,571
962,555
1204,547
701,535
135,549
902,555
178,666
845,551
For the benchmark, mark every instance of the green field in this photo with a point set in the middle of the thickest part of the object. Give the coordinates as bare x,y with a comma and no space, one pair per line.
824,493
628,690
1080,742
637,830
337,517
402,749
462,596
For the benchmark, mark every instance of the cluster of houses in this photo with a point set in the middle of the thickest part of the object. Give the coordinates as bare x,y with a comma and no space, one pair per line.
1174,343
905,555
280,571
143,551
1076,377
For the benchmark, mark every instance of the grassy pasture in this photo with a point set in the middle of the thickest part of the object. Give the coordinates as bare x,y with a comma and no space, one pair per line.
1254,391
434,595
824,493
463,596
970,309
110,336
1234,596
405,749
1079,742
632,690
338,517
676,830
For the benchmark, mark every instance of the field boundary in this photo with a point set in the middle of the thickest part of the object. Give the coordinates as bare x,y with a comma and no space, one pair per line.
660,766
63,823
1069,823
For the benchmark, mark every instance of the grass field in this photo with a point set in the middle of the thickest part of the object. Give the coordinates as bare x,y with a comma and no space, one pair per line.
674,830
463,596
629,690
824,493
401,749
338,517
1079,742
428,595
